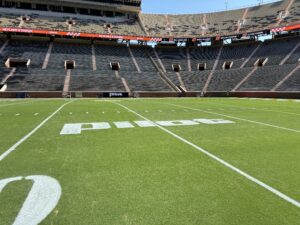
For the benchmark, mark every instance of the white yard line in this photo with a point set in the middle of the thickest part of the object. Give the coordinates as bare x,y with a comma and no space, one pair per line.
236,118
249,108
18,103
12,148
221,161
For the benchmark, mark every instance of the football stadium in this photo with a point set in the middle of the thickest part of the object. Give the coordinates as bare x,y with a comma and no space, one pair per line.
216,95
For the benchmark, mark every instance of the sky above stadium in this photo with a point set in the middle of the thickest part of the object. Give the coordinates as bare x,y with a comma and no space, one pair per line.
193,6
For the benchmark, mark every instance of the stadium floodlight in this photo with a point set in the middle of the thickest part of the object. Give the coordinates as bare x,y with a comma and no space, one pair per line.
260,2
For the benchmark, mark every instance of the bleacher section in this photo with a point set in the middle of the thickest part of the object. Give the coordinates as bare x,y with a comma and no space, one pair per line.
45,23
209,24
142,58
106,54
75,24
292,84
293,14
206,55
224,23
80,53
264,16
9,20
275,51
195,81
264,79
295,57
28,80
171,56
89,80
237,54
147,81
185,25
94,72
226,80
155,24
3,73
34,50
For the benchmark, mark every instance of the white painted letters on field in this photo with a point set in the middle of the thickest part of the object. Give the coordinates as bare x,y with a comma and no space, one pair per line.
145,123
177,123
123,125
77,128
213,121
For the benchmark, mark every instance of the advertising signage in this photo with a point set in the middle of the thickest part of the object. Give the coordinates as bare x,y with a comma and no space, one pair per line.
141,38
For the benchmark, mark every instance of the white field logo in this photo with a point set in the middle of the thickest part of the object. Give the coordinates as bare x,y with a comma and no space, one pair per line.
77,128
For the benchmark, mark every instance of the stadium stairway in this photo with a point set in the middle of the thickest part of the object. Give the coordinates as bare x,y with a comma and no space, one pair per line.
286,78
265,78
290,54
162,72
292,82
212,71
67,83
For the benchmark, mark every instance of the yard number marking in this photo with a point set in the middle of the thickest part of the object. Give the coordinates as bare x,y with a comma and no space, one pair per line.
41,200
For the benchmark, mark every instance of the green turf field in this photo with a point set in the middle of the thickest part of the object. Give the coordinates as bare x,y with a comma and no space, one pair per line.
185,168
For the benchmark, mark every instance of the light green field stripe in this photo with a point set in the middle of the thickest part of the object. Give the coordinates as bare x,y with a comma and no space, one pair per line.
13,148
253,108
221,161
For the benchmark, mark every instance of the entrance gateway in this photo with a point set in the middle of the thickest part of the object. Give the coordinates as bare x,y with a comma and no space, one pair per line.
77,128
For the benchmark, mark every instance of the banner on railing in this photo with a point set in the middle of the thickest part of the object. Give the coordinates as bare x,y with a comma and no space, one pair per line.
77,34
127,37
286,28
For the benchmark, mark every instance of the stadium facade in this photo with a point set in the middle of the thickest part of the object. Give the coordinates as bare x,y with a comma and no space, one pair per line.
101,48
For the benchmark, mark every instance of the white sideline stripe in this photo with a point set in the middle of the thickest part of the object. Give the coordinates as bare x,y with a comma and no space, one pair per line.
12,148
237,118
257,109
16,103
221,161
